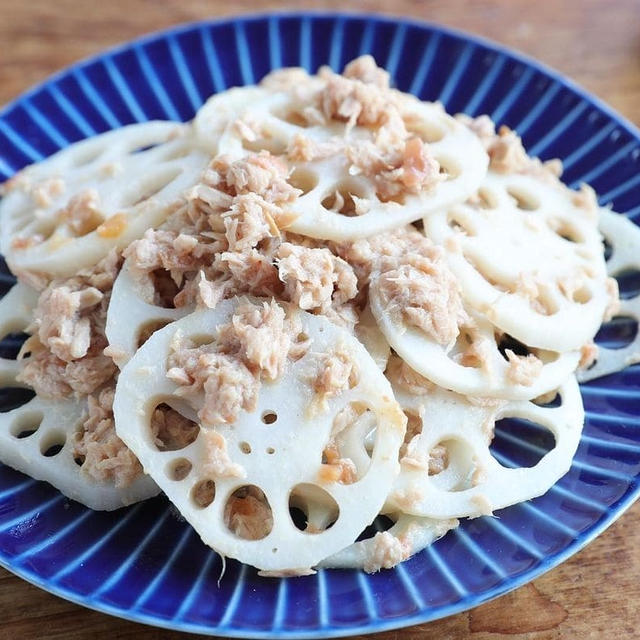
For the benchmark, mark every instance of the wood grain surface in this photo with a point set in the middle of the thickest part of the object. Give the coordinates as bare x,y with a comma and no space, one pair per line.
597,43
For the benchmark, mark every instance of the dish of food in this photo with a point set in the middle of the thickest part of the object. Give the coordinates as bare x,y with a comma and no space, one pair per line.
285,241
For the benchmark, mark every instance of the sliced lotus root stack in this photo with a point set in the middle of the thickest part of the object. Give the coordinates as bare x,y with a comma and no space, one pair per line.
479,360
16,314
237,482
339,201
528,254
38,438
67,212
624,238
448,469
131,319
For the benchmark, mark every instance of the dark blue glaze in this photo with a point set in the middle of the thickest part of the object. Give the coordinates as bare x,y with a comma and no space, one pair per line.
145,564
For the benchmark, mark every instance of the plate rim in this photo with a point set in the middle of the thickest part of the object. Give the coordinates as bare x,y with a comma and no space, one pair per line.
428,614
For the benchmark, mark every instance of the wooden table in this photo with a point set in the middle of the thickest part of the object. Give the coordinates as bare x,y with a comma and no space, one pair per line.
597,43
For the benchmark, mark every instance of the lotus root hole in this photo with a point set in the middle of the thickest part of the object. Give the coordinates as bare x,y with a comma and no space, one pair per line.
341,199
84,157
449,168
525,200
312,509
164,289
414,428
26,424
519,443
203,493
581,295
149,328
618,333
549,400
179,469
14,397
52,443
457,223
608,249
628,283
11,343
486,200
269,416
303,179
294,117
248,514
170,430
452,464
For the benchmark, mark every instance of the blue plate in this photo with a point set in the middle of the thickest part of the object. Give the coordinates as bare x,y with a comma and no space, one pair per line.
144,564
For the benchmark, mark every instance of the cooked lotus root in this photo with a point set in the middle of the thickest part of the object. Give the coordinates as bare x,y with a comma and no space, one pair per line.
220,109
68,211
368,332
16,314
447,468
338,202
131,319
624,238
529,258
236,483
37,438
407,536
476,363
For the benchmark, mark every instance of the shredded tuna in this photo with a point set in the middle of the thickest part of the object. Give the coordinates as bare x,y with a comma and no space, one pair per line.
261,174
336,468
386,552
217,463
507,155
302,148
228,371
588,355
337,372
524,370
384,251
66,350
175,254
406,168
249,220
228,386
314,278
261,336
61,323
366,70
353,101
414,428
252,272
82,213
425,294
400,374
477,351
248,514
105,458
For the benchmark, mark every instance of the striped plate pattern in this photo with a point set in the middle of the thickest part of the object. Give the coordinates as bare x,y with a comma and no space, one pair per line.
143,563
